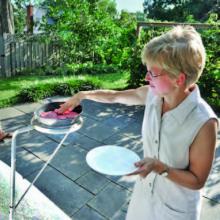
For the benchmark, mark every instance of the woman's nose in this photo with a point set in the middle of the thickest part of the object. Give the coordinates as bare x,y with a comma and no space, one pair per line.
147,77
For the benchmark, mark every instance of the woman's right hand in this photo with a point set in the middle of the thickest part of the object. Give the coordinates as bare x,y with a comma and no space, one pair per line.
69,104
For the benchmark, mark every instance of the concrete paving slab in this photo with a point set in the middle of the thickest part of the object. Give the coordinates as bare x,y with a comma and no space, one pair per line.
61,190
118,122
135,112
43,151
212,187
126,182
210,210
70,161
93,109
133,143
119,215
138,116
6,145
88,123
37,143
28,108
100,111
216,162
121,109
97,113
31,139
95,130
6,113
93,182
124,208
26,163
133,130
76,138
103,201
87,213
13,124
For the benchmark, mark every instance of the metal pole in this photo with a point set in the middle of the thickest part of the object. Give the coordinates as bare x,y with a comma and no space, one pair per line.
45,165
13,167
13,206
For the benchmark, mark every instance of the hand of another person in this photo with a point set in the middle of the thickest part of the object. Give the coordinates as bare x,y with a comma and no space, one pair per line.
4,135
69,104
144,166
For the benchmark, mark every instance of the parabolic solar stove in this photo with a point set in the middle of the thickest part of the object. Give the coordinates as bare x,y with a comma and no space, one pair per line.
44,120
53,124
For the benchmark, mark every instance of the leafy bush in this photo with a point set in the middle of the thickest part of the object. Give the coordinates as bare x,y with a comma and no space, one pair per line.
88,68
35,93
209,82
77,69
137,69
72,69
38,92
100,36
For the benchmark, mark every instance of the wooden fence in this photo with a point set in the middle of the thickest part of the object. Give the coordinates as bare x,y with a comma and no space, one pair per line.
18,54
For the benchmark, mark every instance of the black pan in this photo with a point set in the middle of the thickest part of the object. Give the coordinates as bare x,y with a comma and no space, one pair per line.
56,122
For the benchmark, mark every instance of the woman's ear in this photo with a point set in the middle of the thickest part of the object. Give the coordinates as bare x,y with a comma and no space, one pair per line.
181,79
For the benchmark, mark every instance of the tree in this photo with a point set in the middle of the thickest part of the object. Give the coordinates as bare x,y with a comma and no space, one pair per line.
179,10
6,17
89,31
20,15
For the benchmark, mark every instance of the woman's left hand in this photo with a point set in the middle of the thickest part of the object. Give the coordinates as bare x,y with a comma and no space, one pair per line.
144,166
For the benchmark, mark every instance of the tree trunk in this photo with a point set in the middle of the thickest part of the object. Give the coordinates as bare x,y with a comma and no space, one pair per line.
6,17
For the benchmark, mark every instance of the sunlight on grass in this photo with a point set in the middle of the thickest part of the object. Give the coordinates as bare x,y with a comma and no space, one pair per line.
111,81
9,88
7,94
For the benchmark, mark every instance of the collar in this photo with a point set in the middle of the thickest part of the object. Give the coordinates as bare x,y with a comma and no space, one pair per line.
181,112
183,109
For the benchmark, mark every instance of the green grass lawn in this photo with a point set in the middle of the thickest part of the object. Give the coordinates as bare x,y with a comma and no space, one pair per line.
9,88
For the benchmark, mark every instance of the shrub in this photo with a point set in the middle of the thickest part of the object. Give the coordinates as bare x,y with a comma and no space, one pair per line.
38,92
210,80
77,69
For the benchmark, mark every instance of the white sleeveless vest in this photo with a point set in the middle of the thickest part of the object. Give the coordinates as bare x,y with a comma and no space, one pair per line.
169,139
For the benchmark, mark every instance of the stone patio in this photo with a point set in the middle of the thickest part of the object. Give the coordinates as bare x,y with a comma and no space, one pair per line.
68,181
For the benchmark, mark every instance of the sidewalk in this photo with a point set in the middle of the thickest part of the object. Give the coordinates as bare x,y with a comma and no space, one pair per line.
68,181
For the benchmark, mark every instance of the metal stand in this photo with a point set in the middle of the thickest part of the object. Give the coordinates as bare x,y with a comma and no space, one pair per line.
35,125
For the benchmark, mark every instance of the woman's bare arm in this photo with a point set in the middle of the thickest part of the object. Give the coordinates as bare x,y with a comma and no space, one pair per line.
200,160
128,97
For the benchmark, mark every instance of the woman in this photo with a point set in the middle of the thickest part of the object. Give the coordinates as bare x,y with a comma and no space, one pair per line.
179,128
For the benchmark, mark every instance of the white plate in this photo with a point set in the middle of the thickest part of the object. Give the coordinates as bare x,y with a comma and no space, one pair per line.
112,160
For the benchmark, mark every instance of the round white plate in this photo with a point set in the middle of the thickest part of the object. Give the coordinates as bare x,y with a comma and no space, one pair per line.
112,160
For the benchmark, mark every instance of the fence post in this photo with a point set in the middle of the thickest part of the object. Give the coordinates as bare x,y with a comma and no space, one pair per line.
2,56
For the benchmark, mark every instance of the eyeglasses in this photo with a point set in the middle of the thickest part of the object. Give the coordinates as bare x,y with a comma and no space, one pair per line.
155,76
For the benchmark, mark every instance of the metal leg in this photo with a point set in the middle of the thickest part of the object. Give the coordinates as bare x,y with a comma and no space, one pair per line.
13,206
13,167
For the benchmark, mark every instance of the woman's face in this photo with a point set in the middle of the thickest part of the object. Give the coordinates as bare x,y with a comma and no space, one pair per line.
159,81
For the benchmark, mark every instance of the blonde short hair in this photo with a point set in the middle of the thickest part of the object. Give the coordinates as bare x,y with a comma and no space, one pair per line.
179,50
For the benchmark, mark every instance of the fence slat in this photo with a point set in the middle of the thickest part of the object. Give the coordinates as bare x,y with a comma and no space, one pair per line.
2,57
28,52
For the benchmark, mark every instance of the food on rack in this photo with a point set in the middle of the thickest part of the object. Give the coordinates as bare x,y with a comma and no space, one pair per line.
55,115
